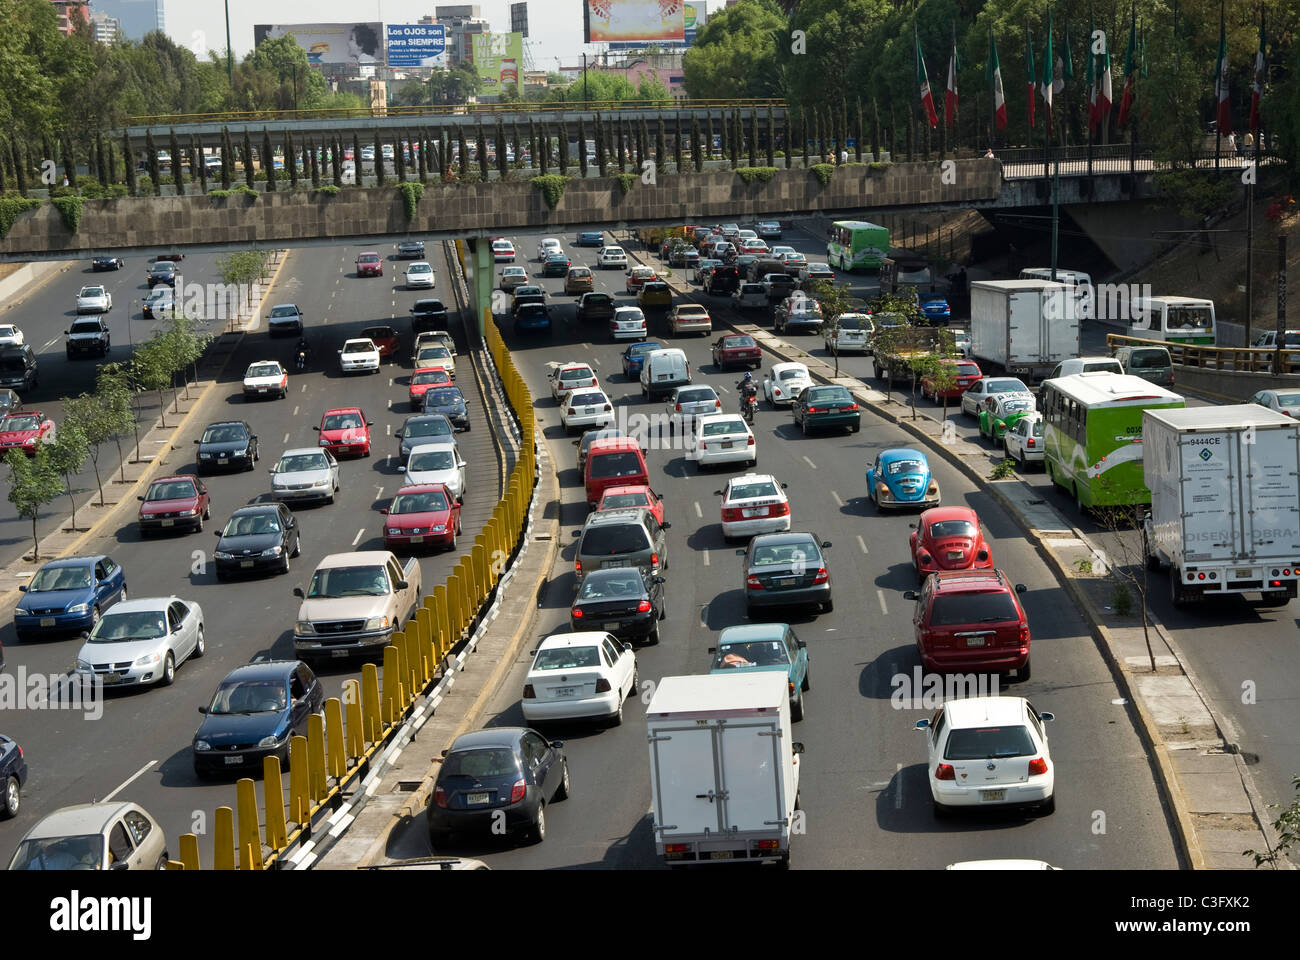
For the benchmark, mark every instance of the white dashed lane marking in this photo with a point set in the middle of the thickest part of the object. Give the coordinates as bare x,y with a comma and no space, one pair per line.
836,497
880,595
862,543
810,463
698,511
357,539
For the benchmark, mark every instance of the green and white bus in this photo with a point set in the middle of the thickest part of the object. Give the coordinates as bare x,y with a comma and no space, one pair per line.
1173,319
855,244
1094,435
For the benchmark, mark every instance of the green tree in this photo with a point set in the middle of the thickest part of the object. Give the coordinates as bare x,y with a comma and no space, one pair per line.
68,455
33,483
155,173
178,168
128,159
735,54
200,161
463,147
601,160
562,142
661,145
291,160
247,159
677,144
356,156
227,159
503,164
379,159
267,161
156,363
482,153
84,415
697,153
582,147
314,152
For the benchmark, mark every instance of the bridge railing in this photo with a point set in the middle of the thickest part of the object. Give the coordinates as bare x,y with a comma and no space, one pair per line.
1023,162
1204,357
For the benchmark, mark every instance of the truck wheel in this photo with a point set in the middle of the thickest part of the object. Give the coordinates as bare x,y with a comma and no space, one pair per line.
1177,595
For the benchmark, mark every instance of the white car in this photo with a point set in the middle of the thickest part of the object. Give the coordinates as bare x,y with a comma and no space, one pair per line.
730,230
571,376
142,642
547,246
437,463
512,277
1024,441
986,387
586,409
1285,402
628,324
753,504
94,300
690,402
359,356
579,676
266,378
433,338
435,355
722,438
419,276
989,751
744,235
851,331
768,230
305,473
961,342
611,257
11,336
503,251
784,382
778,253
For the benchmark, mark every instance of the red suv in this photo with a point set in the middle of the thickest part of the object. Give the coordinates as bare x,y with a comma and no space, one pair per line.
180,502
971,621
370,265
967,372
345,430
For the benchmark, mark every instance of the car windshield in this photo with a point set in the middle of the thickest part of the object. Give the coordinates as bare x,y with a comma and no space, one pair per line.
227,433
284,311
251,525
167,267
738,342
586,399
655,286
953,528
621,464
342,421
747,491
514,272
86,326
429,376
92,291
82,852
301,462
583,272
444,397
968,608
432,460
609,540
60,578
641,349
756,653
985,743
854,323
434,353
618,501
334,582
264,370
1148,359
720,428
1017,406
478,764
785,553
375,334
19,423
436,427
358,346
172,490
616,586
163,293
419,268
792,375
967,370
368,258
1038,428
1005,386
823,394
577,373
429,502
250,696
905,466
133,625
429,306
697,395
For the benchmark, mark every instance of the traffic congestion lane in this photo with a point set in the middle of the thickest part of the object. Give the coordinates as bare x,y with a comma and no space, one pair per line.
863,782
147,733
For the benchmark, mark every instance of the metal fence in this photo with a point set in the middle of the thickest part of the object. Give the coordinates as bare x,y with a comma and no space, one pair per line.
1081,161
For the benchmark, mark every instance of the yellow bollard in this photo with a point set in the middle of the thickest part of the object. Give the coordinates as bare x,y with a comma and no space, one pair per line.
461,571
495,556
371,718
428,643
316,758
479,557
250,837
410,660
388,692
455,616
356,741
223,839
277,833
400,701
299,782
441,625
189,847
335,744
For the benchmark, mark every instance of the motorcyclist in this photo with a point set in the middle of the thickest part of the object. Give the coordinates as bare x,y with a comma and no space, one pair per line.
748,389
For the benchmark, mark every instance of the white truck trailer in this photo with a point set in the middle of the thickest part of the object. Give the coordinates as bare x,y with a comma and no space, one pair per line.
724,771
1225,501
1023,327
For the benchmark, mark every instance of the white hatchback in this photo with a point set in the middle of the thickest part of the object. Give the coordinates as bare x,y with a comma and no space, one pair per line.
359,356
784,382
753,504
989,751
419,276
612,257
851,331
571,376
94,300
722,438
436,463
1024,441
985,387
11,336
689,402
576,676
628,324
586,409
547,246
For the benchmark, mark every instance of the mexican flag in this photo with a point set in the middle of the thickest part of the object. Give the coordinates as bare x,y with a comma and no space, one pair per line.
1105,90
1049,64
1130,76
1221,85
1257,89
923,80
950,95
1091,80
1064,63
993,74
1029,73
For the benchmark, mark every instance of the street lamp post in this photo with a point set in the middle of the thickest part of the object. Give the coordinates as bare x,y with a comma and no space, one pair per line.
135,393
230,62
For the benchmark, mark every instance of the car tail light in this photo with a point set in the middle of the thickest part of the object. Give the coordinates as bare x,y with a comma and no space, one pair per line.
752,582
674,848
768,845
440,797
851,406
577,566
730,514
518,790
1024,634
882,489
679,408
779,510
822,576
572,411
701,443
717,404
577,613
791,686
750,441
944,771
934,488
1037,767
529,692
1277,583
608,407
1030,442
654,559
643,606
813,410
602,686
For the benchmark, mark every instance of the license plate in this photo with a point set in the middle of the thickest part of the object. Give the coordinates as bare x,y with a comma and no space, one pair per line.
722,855
566,691
169,523
726,444
261,389
783,581
614,626
1242,574
112,678
612,564
588,410
419,539
233,759
338,653
246,563
993,795
47,621
476,798
223,460
755,512
974,641
954,554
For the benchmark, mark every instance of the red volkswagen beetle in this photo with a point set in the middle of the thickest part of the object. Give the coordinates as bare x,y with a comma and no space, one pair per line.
949,538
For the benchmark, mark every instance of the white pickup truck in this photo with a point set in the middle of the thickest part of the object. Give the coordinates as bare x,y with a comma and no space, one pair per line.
354,603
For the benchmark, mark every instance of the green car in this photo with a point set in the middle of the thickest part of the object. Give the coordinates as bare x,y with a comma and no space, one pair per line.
1000,411
829,408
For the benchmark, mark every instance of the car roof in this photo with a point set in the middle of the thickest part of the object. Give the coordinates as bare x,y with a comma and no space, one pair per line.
746,632
300,451
754,478
262,670
81,818
226,423
580,638
257,508
627,488
610,517
146,604
790,366
793,536
971,581
902,453
72,562
978,711
439,443
612,445
158,480
945,514
711,417
355,558
488,737
423,488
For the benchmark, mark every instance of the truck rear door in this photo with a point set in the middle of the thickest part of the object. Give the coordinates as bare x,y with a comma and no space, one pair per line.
1272,514
751,775
686,786
1211,504
1024,327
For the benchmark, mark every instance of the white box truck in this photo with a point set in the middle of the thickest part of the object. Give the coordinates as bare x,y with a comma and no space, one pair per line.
724,771
1225,501
1023,327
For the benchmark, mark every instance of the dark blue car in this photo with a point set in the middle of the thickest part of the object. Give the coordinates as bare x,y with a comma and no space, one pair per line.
254,714
590,240
13,774
935,307
635,355
449,402
69,595
532,316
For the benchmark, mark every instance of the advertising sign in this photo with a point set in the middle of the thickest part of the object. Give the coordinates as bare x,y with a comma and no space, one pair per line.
621,21
417,45
499,61
337,43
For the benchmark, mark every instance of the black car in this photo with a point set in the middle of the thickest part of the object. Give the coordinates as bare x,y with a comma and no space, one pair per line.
723,279
106,263
513,771
18,367
422,428
526,295
410,250
229,443
450,403
257,538
13,773
625,602
786,569
556,265
164,271
428,315
255,713
779,286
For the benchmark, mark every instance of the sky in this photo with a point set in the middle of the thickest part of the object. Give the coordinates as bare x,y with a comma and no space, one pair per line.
555,26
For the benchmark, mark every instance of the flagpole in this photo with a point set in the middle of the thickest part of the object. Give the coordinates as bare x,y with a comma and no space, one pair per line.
1250,207
1218,68
993,101
1092,61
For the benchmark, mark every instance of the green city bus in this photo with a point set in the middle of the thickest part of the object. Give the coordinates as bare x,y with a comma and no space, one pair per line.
1093,435
855,244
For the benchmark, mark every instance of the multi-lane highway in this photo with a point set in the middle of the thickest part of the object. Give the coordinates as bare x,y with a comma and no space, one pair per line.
863,784
139,749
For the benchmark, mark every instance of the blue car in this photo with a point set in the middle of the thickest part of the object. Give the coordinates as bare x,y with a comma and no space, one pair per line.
69,595
765,646
635,355
13,774
532,316
935,307
590,240
449,402
254,714
901,478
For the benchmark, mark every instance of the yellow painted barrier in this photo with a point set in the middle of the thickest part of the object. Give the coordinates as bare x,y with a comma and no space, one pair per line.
412,659
388,707
463,578
174,865
250,837
189,849
455,618
316,758
403,693
371,719
428,642
478,559
470,575
336,756
356,741
277,833
442,625
223,839
299,781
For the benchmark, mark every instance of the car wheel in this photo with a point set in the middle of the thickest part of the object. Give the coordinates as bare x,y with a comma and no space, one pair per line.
13,798
284,565
200,645
1023,673
162,863
796,709
94,617
122,595
538,831
169,671
297,548
807,680
207,512
616,719
563,792
199,528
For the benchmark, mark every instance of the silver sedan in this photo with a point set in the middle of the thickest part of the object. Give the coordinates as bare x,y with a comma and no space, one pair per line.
307,473
94,300
142,642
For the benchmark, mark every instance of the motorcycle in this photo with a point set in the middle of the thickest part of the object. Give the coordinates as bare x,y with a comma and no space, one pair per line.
749,406
302,356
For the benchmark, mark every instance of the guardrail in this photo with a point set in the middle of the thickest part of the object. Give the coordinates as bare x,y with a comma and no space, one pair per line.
341,745
1204,357
1118,158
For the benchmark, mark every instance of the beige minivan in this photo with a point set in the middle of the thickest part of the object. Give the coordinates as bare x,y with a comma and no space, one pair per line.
1149,363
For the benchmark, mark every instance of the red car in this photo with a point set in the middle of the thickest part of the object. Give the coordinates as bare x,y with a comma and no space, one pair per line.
753,246
370,264
639,275
971,621
424,380
631,497
23,431
180,502
385,338
737,350
968,372
173,257
345,430
949,538
420,514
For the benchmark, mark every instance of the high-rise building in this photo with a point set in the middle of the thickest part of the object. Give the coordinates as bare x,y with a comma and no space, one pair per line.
462,21
135,17
71,12
107,29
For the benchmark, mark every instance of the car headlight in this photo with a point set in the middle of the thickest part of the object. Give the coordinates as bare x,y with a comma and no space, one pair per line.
81,666
240,453
270,741
324,442
147,659
321,483
394,531
377,623
273,551
438,528
205,456
78,608
303,627
189,513
223,555
202,746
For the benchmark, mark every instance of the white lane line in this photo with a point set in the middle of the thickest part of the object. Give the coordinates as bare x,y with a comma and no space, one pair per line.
390,381
596,361
388,429
303,389
286,439
362,532
295,411
836,497
48,345
586,346
706,558
127,782
810,463
862,543
698,511
880,595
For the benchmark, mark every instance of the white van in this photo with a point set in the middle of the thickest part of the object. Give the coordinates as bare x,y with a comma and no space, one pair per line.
663,371
1085,294
1075,365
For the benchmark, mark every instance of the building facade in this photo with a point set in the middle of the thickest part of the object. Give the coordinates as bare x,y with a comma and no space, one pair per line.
107,29
135,18
71,12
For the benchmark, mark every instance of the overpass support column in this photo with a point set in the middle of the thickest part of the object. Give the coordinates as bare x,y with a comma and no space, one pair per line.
481,279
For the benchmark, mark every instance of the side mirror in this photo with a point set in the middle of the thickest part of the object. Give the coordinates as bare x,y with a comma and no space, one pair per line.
577,443
297,592
1048,717
923,724
316,428
217,532
120,865
826,544
740,553
577,533
666,525
403,585
785,486
912,526
401,469
203,710
557,744
627,646
22,588
445,752
713,649
141,499
370,423
270,469
911,595
796,747
196,443
384,511
717,493
802,645
1021,588
661,580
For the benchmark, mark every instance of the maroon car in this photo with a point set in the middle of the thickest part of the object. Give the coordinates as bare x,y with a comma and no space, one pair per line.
422,514
736,350
180,502
370,264
966,373
173,257
385,338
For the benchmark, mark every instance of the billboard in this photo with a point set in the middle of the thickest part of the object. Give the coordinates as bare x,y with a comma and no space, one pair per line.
621,21
519,18
417,45
337,43
499,60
